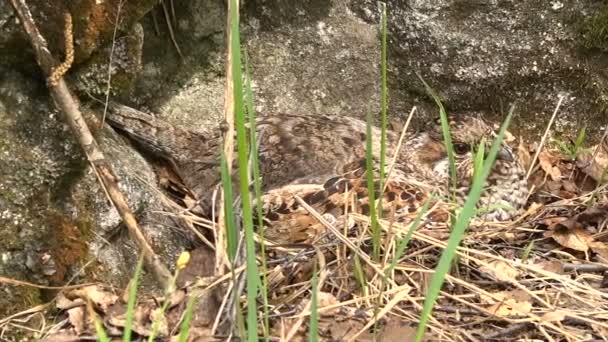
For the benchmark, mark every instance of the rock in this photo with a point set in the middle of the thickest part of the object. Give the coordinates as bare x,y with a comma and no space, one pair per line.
56,220
483,56
324,57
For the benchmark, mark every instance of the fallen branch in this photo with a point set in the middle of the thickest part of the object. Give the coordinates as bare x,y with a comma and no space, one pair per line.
69,106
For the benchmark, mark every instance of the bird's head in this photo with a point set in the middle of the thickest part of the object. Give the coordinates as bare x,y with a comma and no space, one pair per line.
505,190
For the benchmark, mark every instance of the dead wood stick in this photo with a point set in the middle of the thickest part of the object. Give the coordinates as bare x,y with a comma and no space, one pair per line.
69,106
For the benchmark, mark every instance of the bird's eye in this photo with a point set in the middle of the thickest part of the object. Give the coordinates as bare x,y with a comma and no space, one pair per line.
461,148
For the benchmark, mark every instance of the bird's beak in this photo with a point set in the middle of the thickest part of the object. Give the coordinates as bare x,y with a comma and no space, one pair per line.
505,153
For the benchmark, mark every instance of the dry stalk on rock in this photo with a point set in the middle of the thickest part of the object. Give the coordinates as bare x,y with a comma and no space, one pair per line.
69,106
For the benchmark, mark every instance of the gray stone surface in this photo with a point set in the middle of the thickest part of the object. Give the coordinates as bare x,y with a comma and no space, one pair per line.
323,57
55,217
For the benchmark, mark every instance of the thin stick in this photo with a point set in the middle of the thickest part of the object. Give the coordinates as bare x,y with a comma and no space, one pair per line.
399,144
110,62
69,106
542,141
323,275
341,237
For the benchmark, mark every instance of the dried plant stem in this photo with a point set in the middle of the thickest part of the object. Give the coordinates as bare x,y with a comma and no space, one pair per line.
228,130
322,277
110,62
398,149
69,106
545,135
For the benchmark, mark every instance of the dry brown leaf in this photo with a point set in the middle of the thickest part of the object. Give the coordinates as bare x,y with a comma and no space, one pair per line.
575,238
501,270
594,167
327,299
554,316
508,303
141,323
398,331
76,317
547,162
554,266
510,307
62,302
601,248
533,209
100,298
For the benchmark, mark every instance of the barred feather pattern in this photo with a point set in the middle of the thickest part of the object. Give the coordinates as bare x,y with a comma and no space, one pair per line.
320,157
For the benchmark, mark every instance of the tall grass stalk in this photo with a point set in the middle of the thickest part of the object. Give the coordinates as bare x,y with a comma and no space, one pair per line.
160,314
401,246
232,236
384,100
242,149
360,276
403,242
102,336
313,332
447,137
133,286
462,222
257,185
232,239
185,326
479,156
369,165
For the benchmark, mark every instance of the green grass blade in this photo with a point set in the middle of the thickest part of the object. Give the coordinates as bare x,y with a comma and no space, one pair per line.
570,152
167,300
447,137
580,139
525,254
402,244
100,331
242,149
369,164
360,275
313,332
257,185
458,231
384,99
185,326
229,224
479,156
126,337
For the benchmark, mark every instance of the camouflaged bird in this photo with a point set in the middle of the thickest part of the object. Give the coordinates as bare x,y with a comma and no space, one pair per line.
314,152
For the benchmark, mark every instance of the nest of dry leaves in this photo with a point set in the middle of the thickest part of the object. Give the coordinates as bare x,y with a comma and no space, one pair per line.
541,277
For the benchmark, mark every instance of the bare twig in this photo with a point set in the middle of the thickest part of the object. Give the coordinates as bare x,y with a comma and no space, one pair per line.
110,62
15,282
323,274
69,106
398,148
542,141
170,27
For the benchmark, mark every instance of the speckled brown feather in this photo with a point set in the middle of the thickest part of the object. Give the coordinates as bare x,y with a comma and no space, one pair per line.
287,222
312,149
293,149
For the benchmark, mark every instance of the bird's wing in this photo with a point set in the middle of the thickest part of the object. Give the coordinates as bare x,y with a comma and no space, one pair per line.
288,222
